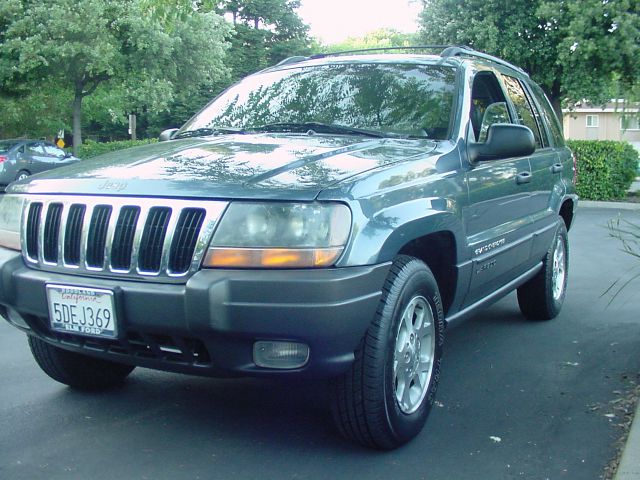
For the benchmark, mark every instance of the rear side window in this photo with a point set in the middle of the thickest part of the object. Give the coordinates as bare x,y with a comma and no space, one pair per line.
549,114
524,109
6,146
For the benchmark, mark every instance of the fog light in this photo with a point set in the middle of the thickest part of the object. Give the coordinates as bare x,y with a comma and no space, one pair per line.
280,354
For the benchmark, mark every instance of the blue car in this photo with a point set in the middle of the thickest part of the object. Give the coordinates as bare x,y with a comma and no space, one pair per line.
20,158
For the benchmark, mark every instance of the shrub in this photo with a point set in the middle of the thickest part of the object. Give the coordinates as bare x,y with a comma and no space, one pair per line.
91,149
606,168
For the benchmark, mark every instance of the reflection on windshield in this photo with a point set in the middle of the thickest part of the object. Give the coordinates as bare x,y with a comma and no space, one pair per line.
405,99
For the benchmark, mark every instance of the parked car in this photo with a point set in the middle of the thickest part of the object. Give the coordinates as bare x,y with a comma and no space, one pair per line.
323,218
20,158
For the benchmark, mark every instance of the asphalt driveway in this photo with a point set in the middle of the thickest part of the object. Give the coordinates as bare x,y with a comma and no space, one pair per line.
517,400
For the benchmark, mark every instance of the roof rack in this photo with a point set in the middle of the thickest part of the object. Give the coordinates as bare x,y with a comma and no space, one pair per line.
380,49
444,51
463,50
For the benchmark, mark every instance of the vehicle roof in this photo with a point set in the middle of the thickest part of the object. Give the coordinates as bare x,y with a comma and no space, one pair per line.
452,56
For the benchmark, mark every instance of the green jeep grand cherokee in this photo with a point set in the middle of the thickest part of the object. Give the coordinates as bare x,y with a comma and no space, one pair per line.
324,218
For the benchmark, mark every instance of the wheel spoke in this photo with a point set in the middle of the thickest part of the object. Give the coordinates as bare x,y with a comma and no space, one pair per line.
413,355
406,395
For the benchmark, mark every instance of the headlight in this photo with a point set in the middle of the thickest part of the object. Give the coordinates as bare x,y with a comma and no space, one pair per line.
10,215
279,235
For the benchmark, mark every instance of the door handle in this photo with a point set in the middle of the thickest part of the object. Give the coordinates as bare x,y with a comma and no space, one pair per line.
523,177
556,168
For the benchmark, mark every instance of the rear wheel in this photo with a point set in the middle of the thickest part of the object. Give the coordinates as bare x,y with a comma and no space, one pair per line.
541,298
77,370
22,174
384,399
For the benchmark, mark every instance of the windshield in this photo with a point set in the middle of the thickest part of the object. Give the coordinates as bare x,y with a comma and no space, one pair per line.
7,145
389,99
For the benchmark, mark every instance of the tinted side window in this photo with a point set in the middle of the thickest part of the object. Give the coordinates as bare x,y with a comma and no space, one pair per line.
487,105
524,110
35,149
53,151
549,114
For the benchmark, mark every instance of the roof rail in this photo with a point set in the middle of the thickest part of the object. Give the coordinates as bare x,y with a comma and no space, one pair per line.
294,59
463,50
444,51
437,48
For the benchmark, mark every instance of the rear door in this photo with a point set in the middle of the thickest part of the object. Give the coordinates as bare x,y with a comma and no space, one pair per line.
37,160
546,168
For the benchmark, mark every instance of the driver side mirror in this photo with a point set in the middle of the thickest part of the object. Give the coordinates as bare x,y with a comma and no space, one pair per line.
504,140
167,134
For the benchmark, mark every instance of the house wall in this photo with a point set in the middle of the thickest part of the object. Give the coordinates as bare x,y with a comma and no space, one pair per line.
575,127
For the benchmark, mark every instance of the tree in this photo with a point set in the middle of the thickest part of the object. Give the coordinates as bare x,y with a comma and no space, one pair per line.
377,39
265,32
81,45
574,49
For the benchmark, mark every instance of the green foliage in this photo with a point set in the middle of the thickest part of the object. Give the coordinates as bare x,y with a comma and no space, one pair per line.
606,169
160,59
122,46
575,49
91,149
264,33
377,39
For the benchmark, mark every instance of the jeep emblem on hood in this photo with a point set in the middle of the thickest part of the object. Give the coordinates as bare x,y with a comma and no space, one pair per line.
111,185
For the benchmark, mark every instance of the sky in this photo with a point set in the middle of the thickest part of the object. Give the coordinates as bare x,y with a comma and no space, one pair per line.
332,21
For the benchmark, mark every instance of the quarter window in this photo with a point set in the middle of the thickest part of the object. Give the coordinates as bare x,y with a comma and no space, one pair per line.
524,109
593,121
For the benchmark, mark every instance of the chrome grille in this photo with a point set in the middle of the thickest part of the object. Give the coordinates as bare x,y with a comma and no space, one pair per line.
139,237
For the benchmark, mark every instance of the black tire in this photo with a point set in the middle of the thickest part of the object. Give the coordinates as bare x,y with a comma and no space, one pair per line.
363,400
540,298
22,174
77,370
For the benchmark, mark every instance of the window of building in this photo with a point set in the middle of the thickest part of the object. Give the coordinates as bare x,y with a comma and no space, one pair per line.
593,121
630,122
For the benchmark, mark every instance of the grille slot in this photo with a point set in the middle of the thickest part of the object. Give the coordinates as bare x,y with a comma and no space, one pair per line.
33,227
123,238
73,234
185,238
159,239
155,230
97,238
52,233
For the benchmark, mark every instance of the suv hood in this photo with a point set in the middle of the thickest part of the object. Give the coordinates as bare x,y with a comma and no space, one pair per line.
287,167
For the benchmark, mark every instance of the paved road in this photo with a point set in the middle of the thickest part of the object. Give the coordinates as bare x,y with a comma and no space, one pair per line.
543,389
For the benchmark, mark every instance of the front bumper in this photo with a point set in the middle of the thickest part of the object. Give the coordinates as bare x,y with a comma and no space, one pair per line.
208,326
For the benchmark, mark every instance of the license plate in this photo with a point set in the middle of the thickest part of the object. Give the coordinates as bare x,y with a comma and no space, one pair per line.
83,311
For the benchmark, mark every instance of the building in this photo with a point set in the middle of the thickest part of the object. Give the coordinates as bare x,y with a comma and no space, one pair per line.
614,121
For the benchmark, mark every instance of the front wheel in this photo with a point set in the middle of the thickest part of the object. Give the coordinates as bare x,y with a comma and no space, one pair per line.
384,399
541,298
77,370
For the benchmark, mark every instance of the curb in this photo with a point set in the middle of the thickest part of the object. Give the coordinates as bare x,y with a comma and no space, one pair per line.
610,205
629,468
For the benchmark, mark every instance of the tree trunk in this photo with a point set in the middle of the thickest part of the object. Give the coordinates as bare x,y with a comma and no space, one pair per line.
77,122
557,107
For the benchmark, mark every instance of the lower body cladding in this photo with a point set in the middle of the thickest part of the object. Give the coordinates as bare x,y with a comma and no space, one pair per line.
220,323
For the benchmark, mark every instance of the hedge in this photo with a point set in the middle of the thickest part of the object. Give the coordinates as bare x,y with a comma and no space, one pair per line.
606,168
91,149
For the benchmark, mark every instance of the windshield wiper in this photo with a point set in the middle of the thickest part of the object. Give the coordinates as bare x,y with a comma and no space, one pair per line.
204,132
318,127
